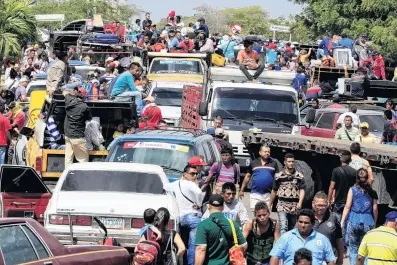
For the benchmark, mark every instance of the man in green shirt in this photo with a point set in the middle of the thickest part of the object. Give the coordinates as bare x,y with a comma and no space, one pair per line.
212,242
347,132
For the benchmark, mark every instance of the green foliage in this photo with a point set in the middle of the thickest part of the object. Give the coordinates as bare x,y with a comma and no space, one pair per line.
253,19
377,18
17,24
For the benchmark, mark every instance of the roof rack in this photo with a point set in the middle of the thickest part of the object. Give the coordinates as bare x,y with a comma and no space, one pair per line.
194,131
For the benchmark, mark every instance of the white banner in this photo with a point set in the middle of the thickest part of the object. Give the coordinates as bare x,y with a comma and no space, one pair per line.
279,28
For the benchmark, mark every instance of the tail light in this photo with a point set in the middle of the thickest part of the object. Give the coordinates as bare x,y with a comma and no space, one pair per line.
171,224
137,223
76,220
39,161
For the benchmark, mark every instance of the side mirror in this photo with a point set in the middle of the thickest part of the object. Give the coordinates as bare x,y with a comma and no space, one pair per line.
310,116
203,108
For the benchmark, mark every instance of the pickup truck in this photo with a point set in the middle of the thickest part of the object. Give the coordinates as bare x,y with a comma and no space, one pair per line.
25,241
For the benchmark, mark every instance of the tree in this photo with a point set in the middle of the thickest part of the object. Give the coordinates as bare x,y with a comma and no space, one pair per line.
17,24
214,18
377,18
253,19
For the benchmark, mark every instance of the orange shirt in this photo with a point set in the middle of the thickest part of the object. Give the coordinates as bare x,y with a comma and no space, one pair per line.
245,57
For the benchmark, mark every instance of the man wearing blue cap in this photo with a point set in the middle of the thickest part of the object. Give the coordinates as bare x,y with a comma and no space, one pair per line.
380,245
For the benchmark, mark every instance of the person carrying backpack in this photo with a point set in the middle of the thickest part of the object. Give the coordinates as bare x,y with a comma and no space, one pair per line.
389,135
222,172
151,252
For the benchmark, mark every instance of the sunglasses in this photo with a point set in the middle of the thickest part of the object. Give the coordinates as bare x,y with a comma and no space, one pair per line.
192,173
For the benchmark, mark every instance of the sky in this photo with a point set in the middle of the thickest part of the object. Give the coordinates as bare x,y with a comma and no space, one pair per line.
160,9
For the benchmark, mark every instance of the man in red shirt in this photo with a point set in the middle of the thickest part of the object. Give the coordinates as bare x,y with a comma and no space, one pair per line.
248,59
5,136
378,65
187,44
151,114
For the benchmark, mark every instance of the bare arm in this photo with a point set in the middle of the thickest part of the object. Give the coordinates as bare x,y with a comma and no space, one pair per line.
245,182
207,182
347,208
274,261
277,231
360,260
180,245
371,178
339,246
331,192
156,231
375,210
301,197
200,255
247,228
272,198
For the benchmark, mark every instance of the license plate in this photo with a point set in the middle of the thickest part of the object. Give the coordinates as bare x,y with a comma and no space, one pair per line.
113,223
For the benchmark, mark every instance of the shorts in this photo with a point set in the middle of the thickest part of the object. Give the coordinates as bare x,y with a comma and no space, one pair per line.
256,197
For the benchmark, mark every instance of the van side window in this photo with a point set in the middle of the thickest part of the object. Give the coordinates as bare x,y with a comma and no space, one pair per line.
202,152
210,153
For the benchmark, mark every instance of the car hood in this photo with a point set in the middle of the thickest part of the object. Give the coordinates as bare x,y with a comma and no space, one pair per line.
171,113
110,203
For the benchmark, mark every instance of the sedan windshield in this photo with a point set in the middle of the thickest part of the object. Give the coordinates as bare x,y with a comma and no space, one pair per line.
169,156
176,67
113,181
168,96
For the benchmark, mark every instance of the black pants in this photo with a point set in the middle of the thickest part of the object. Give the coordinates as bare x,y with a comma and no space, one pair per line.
258,72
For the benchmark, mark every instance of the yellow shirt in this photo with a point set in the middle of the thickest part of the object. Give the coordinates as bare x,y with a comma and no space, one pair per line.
370,138
380,246
117,134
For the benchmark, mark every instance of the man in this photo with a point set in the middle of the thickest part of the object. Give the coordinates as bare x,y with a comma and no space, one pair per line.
262,171
222,172
359,162
389,135
303,236
189,198
365,136
179,22
347,132
124,86
288,186
362,40
390,106
151,114
174,42
315,104
5,136
343,178
77,113
377,63
218,123
20,91
214,236
324,47
233,208
327,223
352,113
221,143
203,27
144,43
379,245
57,73
346,42
72,53
248,59
93,135
52,136
74,77
147,21
187,44
204,44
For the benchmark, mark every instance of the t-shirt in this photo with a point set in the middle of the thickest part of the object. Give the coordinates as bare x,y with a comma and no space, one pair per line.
125,82
4,126
19,92
288,190
346,134
344,178
271,56
209,234
356,120
245,57
369,138
226,174
263,175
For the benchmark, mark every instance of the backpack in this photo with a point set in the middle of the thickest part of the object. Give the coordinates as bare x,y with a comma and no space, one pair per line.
147,251
218,171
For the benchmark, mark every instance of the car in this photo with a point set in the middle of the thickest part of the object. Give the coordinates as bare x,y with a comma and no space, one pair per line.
170,149
116,193
23,240
325,122
36,85
23,193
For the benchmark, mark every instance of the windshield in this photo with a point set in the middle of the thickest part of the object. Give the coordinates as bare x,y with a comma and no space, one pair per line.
254,104
169,156
113,181
376,122
175,67
35,88
168,96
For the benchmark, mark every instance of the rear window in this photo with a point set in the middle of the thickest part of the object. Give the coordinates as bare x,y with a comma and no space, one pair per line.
21,180
113,181
376,122
176,67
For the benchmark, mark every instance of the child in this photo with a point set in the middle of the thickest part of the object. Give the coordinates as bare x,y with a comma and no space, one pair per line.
119,131
129,129
303,256
148,216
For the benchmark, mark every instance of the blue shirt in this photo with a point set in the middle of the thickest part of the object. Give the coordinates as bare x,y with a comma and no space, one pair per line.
290,242
324,45
174,43
125,82
143,229
271,56
263,175
299,81
346,42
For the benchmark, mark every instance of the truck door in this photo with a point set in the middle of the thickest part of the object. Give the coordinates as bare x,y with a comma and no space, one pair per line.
23,193
325,126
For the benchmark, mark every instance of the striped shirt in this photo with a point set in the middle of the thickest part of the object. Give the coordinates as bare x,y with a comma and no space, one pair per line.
51,133
226,174
344,134
380,246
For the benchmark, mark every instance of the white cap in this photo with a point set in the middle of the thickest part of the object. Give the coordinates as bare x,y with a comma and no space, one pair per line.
219,132
109,59
24,79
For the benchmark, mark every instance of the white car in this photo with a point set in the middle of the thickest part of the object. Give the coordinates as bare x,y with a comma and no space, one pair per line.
115,193
35,85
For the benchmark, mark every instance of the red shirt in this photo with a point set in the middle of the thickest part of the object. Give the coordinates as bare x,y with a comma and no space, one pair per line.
152,115
188,46
4,127
272,46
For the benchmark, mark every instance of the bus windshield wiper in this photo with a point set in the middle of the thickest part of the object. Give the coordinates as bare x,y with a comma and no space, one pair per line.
260,118
239,120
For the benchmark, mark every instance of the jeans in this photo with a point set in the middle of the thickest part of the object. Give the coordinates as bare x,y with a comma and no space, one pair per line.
258,72
338,209
189,224
287,221
355,234
3,150
125,96
320,53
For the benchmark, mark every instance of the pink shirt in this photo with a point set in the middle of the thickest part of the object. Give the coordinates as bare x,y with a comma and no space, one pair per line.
226,174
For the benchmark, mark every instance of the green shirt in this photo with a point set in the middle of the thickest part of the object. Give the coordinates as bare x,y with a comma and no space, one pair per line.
209,234
341,133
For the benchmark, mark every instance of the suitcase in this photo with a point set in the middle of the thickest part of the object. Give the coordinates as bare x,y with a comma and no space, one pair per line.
101,38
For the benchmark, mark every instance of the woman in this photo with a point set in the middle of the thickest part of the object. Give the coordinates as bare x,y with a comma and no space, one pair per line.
12,81
16,115
161,222
43,62
261,233
361,210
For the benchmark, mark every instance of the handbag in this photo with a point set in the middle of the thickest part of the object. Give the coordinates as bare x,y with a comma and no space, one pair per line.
236,254
171,260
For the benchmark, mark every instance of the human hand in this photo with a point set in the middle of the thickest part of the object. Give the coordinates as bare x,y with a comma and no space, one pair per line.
241,194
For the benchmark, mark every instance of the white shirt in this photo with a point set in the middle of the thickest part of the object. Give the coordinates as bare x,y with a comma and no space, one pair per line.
356,120
235,211
190,190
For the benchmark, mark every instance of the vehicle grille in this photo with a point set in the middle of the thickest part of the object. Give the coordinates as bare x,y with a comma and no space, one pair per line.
240,150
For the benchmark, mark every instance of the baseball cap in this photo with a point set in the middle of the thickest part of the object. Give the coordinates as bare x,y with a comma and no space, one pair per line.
216,200
149,98
211,131
109,59
364,125
391,217
196,161
219,132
